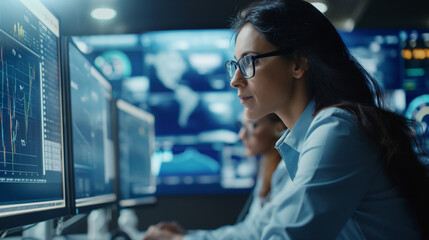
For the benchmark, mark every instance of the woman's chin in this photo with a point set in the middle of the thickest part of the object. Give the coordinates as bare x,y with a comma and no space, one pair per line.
249,152
253,115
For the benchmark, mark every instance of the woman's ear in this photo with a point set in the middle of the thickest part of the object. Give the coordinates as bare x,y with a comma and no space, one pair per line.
301,66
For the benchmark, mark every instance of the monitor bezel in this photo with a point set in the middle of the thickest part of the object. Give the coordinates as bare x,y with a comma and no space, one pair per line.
22,219
150,198
74,209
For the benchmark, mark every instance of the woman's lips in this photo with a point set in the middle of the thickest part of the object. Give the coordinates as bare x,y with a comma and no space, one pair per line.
244,98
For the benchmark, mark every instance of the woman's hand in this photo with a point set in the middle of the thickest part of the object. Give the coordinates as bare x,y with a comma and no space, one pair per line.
165,231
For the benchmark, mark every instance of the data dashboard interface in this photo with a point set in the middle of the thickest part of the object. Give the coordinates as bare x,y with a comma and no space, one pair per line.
136,140
93,155
31,146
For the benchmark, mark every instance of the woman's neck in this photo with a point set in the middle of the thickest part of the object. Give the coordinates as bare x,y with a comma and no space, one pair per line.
295,106
271,155
269,162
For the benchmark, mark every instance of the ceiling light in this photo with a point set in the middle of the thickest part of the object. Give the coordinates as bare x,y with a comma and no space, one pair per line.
349,24
320,6
103,13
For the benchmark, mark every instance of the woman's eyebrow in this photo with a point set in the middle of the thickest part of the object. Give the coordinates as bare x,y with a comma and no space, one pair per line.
246,53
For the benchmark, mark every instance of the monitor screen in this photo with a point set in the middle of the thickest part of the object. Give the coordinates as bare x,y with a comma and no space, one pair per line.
415,54
188,82
378,51
119,57
418,110
195,112
183,83
136,140
32,176
203,168
93,154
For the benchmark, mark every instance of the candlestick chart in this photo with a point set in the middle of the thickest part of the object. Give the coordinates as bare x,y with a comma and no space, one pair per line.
20,111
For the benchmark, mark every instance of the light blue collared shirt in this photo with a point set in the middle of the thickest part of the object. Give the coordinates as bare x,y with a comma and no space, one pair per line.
339,188
258,217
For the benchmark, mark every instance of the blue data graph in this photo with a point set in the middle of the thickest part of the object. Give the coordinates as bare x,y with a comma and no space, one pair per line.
32,176
418,110
92,140
136,140
20,111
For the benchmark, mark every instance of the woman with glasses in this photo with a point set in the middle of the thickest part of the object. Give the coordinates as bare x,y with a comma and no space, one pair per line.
259,138
354,165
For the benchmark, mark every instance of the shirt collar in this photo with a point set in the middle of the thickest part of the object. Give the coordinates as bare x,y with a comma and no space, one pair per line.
295,137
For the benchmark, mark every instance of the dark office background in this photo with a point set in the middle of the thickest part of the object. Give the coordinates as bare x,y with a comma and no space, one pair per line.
140,16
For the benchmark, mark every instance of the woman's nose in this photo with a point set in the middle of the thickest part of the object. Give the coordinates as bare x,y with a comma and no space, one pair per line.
242,133
238,80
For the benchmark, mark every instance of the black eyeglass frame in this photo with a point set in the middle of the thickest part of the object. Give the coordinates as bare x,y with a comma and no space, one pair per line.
236,64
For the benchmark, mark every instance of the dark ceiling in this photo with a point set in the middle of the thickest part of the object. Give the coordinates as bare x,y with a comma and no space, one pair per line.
137,16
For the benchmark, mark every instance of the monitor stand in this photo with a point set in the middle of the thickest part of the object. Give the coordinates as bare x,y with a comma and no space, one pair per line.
128,222
41,231
98,225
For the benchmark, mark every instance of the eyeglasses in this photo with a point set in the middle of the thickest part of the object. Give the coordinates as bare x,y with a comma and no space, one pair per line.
246,64
250,126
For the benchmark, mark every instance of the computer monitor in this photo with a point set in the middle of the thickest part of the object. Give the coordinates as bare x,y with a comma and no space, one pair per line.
92,142
136,143
204,168
378,51
179,77
196,111
418,110
415,55
32,163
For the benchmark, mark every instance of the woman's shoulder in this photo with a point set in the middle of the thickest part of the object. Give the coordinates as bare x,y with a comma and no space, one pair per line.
337,131
334,115
333,124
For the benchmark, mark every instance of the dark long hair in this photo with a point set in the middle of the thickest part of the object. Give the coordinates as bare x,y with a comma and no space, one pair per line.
335,79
